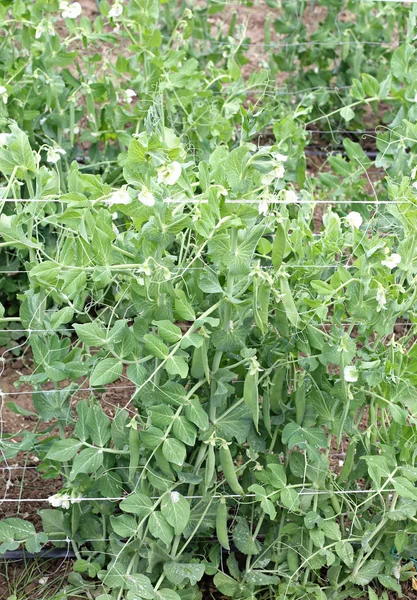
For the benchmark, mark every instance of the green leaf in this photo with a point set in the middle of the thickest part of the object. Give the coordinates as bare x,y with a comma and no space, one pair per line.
155,346
244,540
176,365
306,438
160,528
106,371
290,499
88,460
62,316
183,308
345,551
184,431
64,450
124,525
176,510
174,451
178,573
196,414
366,573
140,585
168,331
92,334
347,113
137,504
405,488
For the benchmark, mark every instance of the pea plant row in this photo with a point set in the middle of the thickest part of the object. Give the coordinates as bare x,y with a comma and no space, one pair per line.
162,231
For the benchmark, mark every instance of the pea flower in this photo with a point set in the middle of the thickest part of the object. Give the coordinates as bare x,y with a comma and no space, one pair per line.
169,174
290,196
3,94
380,297
53,155
175,497
130,94
276,173
70,11
350,374
116,10
392,261
3,139
263,207
60,500
119,197
146,197
354,219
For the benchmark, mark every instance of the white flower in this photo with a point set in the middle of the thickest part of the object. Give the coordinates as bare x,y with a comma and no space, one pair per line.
3,94
130,94
119,197
392,261
39,30
290,196
350,374
263,207
146,197
280,157
354,219
3,139
175,497
58,500
70,11
169,174
53,155
276,173
380,297
116,10
43,580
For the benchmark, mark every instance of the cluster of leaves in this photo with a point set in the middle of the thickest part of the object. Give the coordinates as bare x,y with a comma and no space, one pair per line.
188,273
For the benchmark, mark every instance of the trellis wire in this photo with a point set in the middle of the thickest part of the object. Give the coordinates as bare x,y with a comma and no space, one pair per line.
199,497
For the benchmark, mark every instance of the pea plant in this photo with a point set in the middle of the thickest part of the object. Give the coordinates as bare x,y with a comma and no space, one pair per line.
223,391
252,357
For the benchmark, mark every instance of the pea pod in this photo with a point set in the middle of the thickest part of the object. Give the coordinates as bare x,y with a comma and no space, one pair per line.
300,402
229,470
292,560
261,297
288,302
266,412
278,247
162,463
197,367
210,467
199,364
221,525
134,446
276,395
250,395
349,461
281,320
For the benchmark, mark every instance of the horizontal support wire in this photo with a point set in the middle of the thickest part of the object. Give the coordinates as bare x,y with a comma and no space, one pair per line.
199,497
258,200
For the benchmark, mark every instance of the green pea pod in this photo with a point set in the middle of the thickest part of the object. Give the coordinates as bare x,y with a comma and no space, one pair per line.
276,394
134,446
281,320
288,302
335,504
278,247
221,524
349,461
261,297
162,462
300,402
229,470
266,412
210,467
250,395
292,560
197,367
204,353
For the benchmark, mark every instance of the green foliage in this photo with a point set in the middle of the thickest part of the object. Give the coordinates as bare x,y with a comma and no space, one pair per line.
166,254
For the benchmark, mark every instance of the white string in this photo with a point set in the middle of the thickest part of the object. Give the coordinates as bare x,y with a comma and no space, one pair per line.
254,201
215,496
